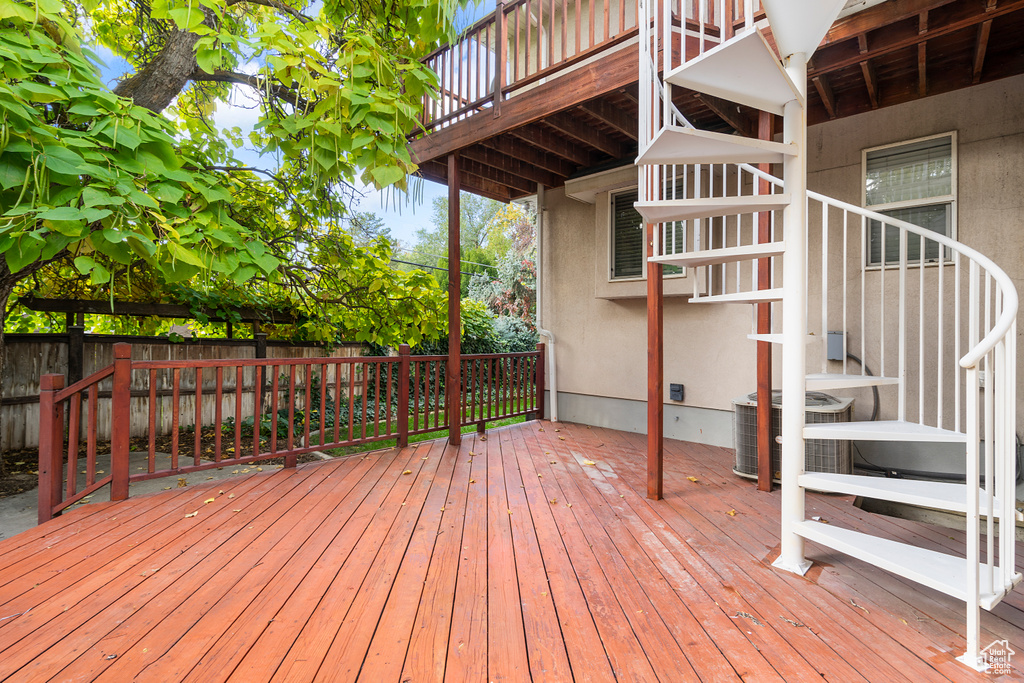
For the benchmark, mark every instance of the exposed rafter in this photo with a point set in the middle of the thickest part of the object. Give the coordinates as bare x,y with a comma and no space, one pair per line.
729,112
588,135
826,94
554,144
871,82
611,116
980,47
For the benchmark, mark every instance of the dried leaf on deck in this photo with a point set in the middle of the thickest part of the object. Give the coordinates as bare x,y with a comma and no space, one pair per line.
182,482
407,472
693,479
208,501
192,514
731,513
589,462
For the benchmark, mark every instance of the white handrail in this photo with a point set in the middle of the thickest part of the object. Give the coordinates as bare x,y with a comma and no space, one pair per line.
1010,302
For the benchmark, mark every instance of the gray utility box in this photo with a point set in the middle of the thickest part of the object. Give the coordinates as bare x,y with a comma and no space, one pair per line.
822,455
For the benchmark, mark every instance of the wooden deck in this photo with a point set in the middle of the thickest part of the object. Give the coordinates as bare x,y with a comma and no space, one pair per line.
531,555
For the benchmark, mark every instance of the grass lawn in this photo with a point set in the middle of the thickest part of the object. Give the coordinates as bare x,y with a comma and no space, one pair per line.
390,443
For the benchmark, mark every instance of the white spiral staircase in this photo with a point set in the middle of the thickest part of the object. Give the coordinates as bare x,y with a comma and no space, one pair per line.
943,336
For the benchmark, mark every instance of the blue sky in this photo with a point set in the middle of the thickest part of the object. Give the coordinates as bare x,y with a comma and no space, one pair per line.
404,219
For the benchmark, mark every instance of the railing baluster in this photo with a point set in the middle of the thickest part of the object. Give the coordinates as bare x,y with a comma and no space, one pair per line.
902,360
920,333
351,399
291,407
238,411
74,419
257,408
323,404
274,397
218,413
90,436
151,455
958,373
366,407
175,397
939,341
307,408
337,402
197,445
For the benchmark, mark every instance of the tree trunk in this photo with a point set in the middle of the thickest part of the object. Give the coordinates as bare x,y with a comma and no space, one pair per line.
157,84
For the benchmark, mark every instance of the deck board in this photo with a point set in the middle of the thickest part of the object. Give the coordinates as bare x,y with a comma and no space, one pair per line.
528,554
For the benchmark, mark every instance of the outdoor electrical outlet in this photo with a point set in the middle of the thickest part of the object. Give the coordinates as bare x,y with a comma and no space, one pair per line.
675,392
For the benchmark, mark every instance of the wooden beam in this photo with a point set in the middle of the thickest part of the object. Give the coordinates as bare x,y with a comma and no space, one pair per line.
871,82
980,47
922,23
553,143
898,36
612,72
505,178
825,92
882,14
922,69
765,474
438,172
516,167
611,116
862,43
453,384
516,149
729,112
587,135
655,372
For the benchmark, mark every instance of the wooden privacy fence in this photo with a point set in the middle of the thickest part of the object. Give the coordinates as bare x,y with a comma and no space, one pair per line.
294,406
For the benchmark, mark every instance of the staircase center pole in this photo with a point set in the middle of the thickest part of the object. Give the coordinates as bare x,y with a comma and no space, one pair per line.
794,321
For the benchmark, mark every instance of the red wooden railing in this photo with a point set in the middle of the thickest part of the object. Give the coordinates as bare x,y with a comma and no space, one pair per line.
276,408
525,41
520,43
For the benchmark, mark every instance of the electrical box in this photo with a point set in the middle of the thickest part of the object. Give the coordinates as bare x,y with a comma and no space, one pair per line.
835,346
675,392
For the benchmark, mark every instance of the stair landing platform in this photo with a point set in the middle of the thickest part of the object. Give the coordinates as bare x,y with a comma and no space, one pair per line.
531,554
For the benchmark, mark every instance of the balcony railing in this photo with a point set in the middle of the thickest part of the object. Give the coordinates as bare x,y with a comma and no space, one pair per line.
225,412
520,44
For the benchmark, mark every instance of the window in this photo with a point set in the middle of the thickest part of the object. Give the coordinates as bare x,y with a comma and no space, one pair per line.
628,252
913,182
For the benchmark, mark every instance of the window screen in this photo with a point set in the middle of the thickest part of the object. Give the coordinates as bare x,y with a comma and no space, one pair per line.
915,172
627,237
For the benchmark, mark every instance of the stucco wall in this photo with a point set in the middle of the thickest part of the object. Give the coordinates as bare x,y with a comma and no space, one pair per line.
602,346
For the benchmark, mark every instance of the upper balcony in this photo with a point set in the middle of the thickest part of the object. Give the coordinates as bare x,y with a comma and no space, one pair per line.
541,90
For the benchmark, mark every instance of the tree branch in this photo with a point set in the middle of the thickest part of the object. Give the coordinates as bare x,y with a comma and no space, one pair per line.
274,4
256,82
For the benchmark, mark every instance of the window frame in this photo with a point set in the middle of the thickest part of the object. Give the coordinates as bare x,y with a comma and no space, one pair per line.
612,195
951,199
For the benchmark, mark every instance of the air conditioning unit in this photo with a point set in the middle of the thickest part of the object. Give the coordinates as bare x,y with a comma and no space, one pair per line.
822,455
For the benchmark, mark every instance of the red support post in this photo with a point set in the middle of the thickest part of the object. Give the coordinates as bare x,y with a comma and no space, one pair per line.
120,427
453,383
541,364
403,395
51,443
655,372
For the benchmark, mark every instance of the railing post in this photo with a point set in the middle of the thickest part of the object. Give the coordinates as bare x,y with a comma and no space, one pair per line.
120,425
500,57
51,443
403,396
541,361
